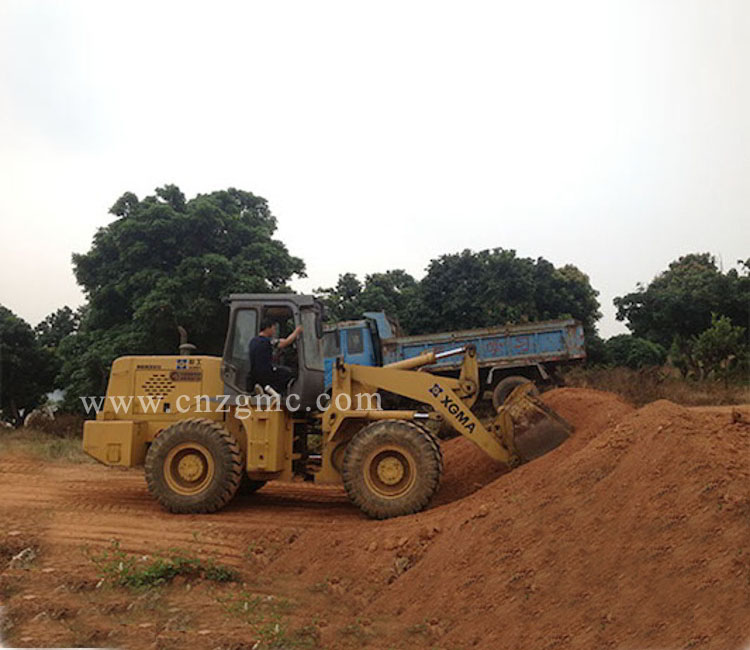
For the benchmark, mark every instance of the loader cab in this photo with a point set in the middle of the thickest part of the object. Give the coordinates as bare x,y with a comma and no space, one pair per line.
304,357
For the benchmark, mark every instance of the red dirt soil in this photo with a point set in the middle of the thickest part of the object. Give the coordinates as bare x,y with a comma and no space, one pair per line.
635,533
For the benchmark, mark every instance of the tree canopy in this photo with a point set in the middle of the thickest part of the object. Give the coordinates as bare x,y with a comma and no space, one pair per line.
27,369
720,348
633,352
469,289
167,261
495,286
395,292
679,302
55,327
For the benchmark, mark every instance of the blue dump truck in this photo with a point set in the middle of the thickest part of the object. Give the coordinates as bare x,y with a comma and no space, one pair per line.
508,355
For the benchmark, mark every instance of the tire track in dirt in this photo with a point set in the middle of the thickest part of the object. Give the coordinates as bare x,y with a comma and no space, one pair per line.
90,505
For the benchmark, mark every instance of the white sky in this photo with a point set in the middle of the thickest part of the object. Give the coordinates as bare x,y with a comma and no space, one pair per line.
611,135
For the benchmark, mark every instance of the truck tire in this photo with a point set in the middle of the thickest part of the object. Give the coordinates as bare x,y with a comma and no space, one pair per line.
194,466
392,468
506,386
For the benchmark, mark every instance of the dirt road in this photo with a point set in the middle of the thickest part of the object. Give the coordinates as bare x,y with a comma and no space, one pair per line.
634,533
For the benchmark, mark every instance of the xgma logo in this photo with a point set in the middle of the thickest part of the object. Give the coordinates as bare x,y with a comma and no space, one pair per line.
453,407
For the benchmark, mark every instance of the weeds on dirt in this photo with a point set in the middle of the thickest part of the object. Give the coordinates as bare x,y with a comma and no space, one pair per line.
419,629
62,425
45,446
126,570
8,588
355,631
319,587
639,387
17,551
266,615
6,624
255,607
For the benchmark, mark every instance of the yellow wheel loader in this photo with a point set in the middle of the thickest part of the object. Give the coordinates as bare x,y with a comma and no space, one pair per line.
204,434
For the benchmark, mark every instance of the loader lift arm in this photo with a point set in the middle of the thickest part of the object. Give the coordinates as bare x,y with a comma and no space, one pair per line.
451,398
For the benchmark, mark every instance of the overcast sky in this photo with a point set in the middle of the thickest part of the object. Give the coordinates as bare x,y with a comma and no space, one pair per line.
611,135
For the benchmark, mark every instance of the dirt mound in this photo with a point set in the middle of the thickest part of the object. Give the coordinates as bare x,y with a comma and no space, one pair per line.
589,411
468,468
636,534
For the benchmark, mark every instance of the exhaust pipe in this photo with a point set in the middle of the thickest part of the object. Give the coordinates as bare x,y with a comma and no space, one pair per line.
186,349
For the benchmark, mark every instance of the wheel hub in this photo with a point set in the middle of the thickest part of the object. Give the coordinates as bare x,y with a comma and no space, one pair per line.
190,467
390,470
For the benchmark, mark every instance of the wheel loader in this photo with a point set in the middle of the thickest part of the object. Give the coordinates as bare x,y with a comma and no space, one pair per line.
203,433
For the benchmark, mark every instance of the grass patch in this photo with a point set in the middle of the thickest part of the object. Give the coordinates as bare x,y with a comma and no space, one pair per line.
640,387
255,608
420,629
44,446
122,569
355,631
266,615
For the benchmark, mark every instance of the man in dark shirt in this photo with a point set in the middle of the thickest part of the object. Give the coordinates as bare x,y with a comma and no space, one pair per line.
262,369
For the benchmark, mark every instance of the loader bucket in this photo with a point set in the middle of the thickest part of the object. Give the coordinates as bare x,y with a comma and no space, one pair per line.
536,428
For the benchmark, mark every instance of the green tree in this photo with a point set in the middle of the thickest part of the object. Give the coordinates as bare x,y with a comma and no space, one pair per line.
394,291
633,352
468,289
27,369
491,287
342,301
167,261
720,348
55,327
677,305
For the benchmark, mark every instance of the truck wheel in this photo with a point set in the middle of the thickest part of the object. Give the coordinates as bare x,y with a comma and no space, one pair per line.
506,386
194,466
392,468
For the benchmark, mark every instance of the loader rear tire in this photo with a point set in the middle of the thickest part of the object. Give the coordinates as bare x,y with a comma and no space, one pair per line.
194,466
506,386
392,468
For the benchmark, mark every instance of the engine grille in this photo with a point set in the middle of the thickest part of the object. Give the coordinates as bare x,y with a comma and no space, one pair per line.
158,385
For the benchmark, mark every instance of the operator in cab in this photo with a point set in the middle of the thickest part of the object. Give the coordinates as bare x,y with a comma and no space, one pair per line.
262,369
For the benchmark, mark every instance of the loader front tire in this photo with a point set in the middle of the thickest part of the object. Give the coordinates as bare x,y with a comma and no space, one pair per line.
392,468
194,466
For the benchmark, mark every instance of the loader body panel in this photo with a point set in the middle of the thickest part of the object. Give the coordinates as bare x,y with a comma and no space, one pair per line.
145,395
115,442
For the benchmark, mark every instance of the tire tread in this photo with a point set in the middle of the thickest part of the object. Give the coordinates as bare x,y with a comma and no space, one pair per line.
227,463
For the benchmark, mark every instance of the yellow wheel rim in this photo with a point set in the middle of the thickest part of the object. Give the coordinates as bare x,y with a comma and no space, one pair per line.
189,468
390,472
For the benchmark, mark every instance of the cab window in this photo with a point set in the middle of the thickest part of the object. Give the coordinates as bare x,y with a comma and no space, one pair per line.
355,343
245,323
312,344
331,346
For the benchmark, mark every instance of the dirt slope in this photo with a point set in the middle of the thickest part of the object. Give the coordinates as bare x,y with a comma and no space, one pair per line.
633,534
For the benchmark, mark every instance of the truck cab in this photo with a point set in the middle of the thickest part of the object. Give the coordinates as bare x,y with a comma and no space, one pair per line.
356,341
